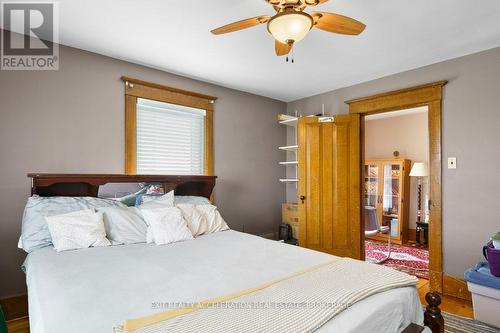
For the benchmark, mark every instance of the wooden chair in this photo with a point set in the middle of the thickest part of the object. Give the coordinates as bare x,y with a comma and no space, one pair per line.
372,228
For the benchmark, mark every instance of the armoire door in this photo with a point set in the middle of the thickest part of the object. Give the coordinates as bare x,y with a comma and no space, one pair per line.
329,185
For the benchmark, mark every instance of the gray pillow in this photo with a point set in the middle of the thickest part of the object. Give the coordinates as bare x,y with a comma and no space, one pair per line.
35,232
124,225
191,200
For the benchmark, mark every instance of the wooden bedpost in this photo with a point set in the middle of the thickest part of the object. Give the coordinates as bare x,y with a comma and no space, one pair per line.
432,315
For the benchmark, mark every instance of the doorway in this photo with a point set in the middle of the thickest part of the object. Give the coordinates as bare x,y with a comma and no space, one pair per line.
430,96
396,190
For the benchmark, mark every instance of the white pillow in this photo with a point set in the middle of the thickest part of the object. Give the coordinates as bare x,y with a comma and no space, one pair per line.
214,220
35,233
162,201
166,225
77,230
196,223
124,225
202,219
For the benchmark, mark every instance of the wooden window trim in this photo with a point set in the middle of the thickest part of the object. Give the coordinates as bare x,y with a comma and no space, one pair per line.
135,88
429,95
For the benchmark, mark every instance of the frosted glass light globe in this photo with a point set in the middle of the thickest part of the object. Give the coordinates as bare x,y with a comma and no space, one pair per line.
290,26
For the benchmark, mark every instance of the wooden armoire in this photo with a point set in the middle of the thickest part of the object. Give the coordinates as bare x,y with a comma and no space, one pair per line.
329,184
387,188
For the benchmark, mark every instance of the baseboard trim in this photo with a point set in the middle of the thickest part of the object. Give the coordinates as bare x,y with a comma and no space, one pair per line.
456,287
15,307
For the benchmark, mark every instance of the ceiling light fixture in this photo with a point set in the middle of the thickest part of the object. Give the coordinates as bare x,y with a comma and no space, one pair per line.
290,26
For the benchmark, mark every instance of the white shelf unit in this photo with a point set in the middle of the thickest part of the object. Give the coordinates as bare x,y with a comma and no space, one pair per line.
291,121
289,180
289,148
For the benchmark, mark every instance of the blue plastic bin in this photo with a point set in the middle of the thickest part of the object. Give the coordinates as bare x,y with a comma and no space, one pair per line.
485,289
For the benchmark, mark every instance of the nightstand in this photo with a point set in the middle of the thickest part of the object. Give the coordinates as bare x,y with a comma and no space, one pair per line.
422,227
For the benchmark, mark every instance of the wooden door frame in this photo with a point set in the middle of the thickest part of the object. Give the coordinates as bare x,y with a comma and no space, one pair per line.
135,88
429,95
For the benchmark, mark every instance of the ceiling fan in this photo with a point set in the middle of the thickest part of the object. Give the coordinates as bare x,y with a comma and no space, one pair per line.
291,24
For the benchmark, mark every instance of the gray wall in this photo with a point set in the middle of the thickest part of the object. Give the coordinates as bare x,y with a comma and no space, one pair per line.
471,132
72,121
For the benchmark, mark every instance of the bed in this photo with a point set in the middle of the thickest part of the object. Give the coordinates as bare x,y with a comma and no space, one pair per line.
99,288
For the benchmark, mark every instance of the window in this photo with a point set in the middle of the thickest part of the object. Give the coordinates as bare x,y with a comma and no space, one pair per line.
168,131
170,139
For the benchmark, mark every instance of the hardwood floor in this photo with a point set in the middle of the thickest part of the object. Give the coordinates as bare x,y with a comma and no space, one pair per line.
20,325
449,304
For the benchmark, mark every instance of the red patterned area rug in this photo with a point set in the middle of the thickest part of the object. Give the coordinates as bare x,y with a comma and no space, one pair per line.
409,259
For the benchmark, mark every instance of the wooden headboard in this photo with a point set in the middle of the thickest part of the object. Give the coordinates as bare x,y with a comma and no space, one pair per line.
80,185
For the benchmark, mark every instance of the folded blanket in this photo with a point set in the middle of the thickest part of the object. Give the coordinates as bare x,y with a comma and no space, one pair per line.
302,302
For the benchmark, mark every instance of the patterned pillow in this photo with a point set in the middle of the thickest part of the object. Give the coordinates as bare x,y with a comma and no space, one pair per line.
155,189
166,225
35,233
130,199
77,230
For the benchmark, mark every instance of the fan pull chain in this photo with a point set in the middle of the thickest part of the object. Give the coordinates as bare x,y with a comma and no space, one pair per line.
292,59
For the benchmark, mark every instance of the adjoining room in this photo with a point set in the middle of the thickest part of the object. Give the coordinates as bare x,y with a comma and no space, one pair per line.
396,190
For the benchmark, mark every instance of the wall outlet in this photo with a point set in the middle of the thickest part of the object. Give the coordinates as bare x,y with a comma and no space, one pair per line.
452,162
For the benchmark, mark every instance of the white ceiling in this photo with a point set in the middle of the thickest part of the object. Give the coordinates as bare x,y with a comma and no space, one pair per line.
174,36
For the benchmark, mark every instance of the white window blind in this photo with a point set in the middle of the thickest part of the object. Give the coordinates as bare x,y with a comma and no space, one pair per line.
170,138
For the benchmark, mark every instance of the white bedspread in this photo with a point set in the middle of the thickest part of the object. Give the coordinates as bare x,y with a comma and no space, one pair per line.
98,288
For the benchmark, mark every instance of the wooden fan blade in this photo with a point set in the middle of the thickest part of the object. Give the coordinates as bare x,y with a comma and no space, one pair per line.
337,23
282,49
240,25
